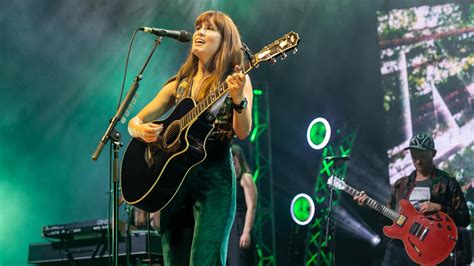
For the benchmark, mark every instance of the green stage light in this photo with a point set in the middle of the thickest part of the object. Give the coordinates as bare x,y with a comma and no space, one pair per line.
255,175
318,133
254,134
302,209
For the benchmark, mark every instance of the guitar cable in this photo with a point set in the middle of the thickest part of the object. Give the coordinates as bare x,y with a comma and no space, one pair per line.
96,249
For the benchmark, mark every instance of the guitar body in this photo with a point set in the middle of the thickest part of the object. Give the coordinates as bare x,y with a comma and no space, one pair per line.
153,173
429,239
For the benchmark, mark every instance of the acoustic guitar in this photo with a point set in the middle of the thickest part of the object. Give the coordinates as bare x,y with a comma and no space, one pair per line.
152,173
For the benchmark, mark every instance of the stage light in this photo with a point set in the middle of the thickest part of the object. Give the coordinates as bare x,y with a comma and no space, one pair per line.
302,209
318,133
375,240
355,226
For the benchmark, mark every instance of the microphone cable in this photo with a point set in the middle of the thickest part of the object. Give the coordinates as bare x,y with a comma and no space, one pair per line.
126,67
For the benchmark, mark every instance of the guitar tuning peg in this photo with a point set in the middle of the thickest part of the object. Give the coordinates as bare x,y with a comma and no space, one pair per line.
123,120
295,50
273,60
283,56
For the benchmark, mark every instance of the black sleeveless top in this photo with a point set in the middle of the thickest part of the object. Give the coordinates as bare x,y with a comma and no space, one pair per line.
221,109
241,205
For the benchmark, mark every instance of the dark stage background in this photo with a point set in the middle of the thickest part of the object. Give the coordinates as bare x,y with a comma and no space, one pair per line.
61,71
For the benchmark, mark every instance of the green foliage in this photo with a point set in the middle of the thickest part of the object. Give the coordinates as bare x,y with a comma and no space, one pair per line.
461,166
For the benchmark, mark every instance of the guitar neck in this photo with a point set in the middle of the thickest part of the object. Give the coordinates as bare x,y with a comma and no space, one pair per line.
277,48
382,209
210,99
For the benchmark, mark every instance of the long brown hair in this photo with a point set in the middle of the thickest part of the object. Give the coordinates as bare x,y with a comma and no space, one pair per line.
239,153
227,56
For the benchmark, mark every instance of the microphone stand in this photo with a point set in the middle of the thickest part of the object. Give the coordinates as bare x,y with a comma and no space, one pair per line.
328,217
112,134
128,241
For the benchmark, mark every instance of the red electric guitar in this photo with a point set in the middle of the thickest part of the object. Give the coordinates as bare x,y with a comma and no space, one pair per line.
428,239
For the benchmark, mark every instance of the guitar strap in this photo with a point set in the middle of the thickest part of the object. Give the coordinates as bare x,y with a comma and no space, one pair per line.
410,185
183,90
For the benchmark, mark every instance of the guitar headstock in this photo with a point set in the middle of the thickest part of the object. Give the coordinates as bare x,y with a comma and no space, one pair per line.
335,182
277,48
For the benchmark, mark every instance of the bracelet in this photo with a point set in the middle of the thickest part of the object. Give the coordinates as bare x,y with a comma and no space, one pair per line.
137,121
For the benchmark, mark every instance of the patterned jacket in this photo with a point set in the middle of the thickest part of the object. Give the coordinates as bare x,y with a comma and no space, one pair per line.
445,191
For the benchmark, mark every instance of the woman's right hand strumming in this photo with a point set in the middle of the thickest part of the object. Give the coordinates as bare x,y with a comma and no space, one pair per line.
148,132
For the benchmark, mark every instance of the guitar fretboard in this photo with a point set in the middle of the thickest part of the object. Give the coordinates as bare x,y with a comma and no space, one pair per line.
387,212
203,105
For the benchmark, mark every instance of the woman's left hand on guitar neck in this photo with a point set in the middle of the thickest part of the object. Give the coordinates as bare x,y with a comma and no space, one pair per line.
241,94
235,83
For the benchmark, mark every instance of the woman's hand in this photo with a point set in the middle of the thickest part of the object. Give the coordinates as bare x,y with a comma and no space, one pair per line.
245,240
241,93
236,83
148,132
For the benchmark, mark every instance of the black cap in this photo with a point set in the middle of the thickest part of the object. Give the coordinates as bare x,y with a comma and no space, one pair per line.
422,141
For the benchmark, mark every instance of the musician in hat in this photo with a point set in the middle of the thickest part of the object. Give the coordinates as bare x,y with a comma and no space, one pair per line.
428,189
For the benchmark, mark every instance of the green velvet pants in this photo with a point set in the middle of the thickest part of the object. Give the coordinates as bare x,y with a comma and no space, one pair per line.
195,226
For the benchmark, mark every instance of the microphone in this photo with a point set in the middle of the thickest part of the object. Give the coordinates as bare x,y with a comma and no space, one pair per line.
337,158
182,35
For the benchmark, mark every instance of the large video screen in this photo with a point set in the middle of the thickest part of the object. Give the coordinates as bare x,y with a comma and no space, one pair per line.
427,68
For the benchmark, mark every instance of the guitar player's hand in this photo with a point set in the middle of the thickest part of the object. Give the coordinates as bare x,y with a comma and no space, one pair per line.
429,207
361,198
235,83
148,132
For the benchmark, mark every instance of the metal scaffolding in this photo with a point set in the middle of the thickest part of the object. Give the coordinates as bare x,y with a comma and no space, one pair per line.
317,251
261,156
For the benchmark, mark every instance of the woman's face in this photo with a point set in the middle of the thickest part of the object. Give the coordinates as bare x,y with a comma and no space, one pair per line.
206,41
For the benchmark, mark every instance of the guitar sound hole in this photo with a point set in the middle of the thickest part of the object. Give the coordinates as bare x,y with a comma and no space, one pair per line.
171,134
